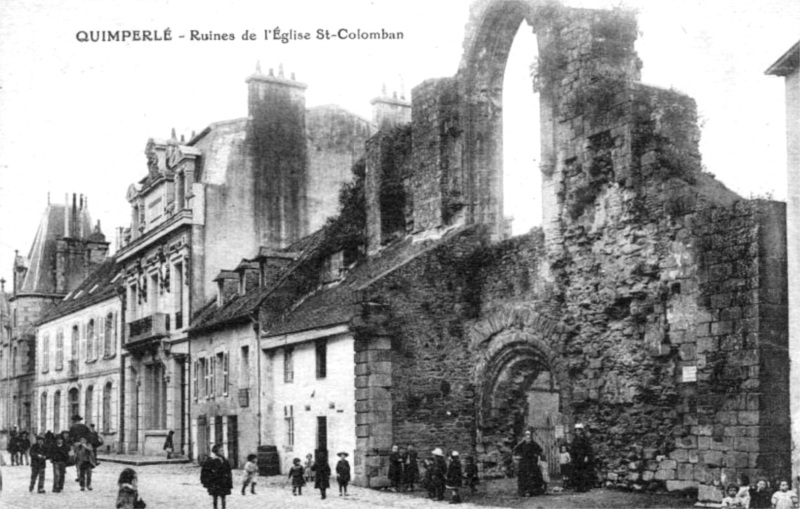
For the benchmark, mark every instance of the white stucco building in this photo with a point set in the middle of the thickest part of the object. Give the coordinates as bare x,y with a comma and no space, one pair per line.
78,358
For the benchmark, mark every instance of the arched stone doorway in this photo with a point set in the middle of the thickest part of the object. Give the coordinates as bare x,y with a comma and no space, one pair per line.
521,385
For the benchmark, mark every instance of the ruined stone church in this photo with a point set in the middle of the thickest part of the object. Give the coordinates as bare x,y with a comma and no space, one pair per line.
651,306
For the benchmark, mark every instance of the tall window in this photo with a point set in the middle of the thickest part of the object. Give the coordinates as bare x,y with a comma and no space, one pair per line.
288,417
43,412
74,403
322,358
89,406
109,348
57,412
107,407
74,348
60,349
212,377
14,361
288,365
90,340
244,368
223,370
45,353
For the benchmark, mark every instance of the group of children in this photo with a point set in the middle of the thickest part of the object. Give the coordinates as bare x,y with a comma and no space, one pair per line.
319,472
745,496
441,475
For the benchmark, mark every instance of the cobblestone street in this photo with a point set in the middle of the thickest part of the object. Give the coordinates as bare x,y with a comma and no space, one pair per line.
178,486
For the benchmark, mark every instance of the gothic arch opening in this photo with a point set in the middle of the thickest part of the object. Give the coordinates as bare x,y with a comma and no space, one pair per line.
495,27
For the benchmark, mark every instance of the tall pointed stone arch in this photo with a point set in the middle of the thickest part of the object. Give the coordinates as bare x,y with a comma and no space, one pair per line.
490,34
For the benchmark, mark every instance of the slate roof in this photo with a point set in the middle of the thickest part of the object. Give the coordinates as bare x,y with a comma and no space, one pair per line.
41,261
241,307
338,303
86,294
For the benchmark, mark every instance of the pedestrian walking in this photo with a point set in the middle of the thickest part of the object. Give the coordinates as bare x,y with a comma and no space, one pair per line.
454,478
322,473
128,491
169,447
2,464
438,471
250,474
59,456
23,447
38,464
395,468
85,461
309,468
11,447
297,476
411,468
784,498
95,440
529,475
343,473
79,430
471,474
216,476
582,456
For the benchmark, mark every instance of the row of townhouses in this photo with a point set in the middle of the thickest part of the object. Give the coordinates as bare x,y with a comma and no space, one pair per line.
312,281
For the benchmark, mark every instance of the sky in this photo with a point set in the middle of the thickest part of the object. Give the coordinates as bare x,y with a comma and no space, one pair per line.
75,116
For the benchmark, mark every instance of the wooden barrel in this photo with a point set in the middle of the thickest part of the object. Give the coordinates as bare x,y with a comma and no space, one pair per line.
269,463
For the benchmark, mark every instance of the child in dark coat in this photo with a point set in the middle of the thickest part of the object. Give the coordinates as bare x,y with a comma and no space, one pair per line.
296,475
85,461
59,456
343,473
322,474
38,464
216,476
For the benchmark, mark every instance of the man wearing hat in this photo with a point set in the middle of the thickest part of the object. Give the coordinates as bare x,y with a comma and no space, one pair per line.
582,460
79,430
343,473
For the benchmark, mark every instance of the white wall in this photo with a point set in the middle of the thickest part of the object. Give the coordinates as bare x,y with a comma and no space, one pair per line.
312,397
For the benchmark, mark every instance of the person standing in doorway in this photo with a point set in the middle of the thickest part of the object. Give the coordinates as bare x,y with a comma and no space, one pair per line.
529,476
216,476
583,474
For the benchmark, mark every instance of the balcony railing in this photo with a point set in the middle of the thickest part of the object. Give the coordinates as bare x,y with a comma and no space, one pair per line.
150,327
72,369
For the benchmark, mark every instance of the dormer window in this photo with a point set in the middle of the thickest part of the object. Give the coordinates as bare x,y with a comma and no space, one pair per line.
334,267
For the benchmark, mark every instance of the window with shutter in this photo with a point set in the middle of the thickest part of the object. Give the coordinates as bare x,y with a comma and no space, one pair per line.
101,337
212,376
225,373
84,342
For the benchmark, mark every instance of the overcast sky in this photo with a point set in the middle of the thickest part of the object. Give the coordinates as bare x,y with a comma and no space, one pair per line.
75,117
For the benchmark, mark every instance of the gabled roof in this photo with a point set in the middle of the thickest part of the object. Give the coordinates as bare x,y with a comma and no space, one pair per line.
95,288
239,309
788,63
339,303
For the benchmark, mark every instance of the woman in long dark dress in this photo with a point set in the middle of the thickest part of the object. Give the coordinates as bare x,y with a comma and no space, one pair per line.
529,476
216,476
322,473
